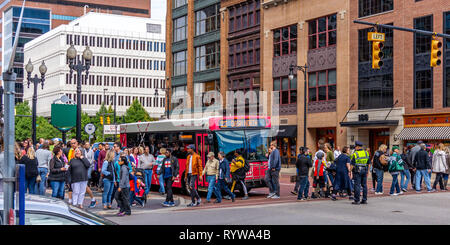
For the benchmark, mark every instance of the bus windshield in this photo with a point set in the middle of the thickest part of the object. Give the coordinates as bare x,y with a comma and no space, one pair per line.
254,143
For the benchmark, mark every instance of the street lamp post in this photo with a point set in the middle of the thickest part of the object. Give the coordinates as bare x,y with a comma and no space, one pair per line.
79,68
35,80
304,69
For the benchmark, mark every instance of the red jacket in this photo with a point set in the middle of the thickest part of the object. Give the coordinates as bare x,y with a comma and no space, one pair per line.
316,167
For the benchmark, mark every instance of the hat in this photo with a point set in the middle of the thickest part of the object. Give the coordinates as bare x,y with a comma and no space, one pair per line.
395,148
358,143
320,155
211,154
191,147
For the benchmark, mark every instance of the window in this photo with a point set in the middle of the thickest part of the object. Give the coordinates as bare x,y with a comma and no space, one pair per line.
370,7
244,15
179,63
84,41
446,51
92,41
114,43
207,20
69,39
149,45
207,56
322,85
179,3
107,42
423,79
287,89
285,41
77,40
99,42
322,32
99,80
179,29
47,219
244,53
375,90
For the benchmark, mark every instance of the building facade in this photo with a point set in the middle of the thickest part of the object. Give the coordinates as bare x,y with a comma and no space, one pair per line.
315,33
128,59
40,16
406,100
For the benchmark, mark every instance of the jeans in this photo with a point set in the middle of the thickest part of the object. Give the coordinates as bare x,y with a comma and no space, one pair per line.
211,185
404,184
108,187
41,185
194,194
439,179
90,172
161,183
57,189
304,187
413,178
148,180
222,185
394,184
169,182
272,180
360,181
30,184
380,175
426,176
134,198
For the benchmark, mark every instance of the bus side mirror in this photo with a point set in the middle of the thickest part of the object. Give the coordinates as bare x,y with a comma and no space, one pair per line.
210,139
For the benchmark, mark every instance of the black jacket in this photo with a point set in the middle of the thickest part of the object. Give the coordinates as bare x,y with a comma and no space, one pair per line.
376,160
421,160
78,170
407,160
303,164
56,174
174,165
31,166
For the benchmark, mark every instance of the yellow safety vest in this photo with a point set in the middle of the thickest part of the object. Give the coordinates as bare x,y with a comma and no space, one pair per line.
361,157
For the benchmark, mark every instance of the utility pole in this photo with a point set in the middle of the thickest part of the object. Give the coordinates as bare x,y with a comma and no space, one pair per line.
115,126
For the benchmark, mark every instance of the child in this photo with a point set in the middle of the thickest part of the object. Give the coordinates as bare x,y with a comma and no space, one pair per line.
319,179
137,189
123,192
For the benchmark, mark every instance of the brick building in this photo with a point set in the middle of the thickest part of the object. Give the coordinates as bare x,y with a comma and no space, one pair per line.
40,16
317,34
406,100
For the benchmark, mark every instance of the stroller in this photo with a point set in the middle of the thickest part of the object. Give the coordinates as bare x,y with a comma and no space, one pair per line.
137,184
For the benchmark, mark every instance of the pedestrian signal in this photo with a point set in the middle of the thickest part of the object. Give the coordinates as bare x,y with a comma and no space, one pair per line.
377,54
435,53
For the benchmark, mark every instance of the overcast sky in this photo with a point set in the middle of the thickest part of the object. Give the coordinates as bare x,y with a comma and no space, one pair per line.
158,9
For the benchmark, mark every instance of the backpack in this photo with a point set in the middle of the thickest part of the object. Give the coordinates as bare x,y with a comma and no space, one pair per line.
384,160
395,165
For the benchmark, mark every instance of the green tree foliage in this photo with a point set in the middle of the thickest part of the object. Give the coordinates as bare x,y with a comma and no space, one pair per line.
23,124
136,113
45,130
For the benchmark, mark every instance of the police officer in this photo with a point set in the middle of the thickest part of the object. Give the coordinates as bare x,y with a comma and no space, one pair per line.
360,167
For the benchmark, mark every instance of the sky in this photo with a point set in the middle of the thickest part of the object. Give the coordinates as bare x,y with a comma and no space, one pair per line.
158,9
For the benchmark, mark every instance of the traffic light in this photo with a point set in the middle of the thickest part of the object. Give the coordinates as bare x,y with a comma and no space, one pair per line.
435,53
101,120
108,120
377,54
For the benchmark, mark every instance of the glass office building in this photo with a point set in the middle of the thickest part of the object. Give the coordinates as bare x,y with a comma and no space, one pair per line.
35,23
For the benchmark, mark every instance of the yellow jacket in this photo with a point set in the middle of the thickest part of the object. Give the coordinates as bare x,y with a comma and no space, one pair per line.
239,163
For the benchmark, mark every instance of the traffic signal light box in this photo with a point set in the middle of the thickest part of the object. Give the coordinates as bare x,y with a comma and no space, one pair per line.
377,54
435,52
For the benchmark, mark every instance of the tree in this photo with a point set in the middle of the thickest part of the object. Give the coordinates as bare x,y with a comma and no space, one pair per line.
45,130
23,124
136,113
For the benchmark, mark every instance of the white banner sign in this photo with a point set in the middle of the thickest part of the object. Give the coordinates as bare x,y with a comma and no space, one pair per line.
111,129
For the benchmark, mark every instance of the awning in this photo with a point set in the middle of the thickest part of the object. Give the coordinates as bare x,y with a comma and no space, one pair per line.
373,123
425,133
287,131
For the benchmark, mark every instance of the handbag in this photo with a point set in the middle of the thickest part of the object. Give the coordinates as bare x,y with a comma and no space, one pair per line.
38,179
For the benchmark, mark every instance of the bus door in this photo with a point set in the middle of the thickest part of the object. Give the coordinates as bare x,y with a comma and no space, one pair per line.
202,150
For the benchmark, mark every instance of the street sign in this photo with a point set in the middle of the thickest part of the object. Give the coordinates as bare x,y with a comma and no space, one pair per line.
89,128
111,129
375,36
64,115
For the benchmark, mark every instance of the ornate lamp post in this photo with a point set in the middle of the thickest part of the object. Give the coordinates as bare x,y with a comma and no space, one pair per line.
304,69
35,80
79,67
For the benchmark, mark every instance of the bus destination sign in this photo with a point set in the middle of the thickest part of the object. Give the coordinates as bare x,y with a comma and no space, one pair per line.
241,123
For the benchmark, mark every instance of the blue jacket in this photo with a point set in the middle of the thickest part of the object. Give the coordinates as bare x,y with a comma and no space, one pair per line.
275,160
224,169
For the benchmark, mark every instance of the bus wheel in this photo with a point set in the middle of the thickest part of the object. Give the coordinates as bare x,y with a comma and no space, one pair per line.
185,186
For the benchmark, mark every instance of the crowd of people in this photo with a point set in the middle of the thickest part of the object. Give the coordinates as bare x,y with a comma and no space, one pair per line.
124,175
344,173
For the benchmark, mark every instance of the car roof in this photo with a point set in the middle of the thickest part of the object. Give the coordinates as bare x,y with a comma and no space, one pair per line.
41,203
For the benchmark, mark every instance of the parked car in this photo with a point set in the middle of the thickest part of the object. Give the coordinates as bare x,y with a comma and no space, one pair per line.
41,210
111,144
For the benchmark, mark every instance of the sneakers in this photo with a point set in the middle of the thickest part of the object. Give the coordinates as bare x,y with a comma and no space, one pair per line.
364,202
165,204
134,204
432,190
394,194
404,190
217,201
275,197
191,204
294,193
171,204
270,195
378,193
401,193
355,203
143,204
199,201
245,198
227,197
120,214
93,204
333,197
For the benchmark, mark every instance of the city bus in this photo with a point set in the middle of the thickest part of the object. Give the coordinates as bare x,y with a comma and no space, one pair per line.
250,134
